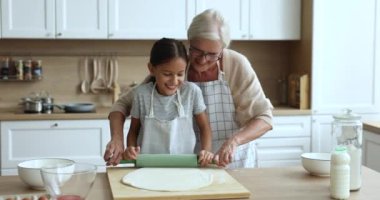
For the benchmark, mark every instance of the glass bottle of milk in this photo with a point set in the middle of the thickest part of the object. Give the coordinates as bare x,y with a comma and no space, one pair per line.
347,130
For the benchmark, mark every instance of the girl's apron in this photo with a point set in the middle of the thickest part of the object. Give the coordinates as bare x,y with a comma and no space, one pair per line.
168,136
221,113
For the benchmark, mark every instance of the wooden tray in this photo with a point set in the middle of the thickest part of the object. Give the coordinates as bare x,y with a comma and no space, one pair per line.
223,187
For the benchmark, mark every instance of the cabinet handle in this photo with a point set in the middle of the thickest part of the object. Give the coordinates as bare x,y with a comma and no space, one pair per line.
244,36
54,125
59,34
110,35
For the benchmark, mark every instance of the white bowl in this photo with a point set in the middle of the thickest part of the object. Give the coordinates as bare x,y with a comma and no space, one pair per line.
30,171
317,164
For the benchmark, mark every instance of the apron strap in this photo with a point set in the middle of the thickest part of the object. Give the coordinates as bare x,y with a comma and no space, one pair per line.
180,109
151,113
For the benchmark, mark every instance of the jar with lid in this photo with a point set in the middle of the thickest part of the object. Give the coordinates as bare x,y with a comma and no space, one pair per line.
347,130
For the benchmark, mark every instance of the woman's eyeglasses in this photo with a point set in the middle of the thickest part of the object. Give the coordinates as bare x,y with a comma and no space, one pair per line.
195,52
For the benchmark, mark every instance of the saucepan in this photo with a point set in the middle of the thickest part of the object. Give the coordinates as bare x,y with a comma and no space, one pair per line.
77,107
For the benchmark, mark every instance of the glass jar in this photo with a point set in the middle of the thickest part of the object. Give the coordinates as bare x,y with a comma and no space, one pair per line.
347,130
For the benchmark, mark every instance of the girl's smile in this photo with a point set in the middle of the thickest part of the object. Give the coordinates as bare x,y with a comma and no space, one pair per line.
169,76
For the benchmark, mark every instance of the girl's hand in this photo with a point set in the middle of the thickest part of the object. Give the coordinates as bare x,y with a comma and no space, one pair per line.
131,152
205,158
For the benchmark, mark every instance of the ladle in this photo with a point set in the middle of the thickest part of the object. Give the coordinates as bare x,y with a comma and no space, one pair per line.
85,86
99,82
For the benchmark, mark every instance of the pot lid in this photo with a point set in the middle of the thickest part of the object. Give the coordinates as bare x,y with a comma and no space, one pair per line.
347,115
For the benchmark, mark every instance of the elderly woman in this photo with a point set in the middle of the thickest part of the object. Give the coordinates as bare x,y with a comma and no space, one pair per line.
237,108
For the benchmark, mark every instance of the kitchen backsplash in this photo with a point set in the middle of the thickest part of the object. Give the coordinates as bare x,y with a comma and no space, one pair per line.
62,66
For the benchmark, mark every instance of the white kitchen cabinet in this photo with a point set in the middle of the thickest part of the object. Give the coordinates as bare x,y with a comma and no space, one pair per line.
236,13
79,140
275,20
28,19
371,149
322,138
284,145
81,19
259,19
49,19
345,56
149,19
345,64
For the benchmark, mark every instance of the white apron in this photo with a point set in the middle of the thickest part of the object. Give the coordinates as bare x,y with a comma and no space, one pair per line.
168,136
221,113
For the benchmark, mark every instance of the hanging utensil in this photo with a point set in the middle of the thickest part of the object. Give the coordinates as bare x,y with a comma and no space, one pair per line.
110,73
85,86
116,86
99,82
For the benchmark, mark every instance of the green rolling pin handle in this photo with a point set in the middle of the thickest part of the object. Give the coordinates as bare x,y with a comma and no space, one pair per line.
128,162
184,160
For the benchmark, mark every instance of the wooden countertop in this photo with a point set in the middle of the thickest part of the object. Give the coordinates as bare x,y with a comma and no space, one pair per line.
292,183
372,126
14,114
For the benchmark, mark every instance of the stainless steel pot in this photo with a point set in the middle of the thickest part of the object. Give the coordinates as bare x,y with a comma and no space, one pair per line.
47,105
32,105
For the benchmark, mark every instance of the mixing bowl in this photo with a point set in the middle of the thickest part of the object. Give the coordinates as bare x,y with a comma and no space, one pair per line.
317,164
30,171
69,185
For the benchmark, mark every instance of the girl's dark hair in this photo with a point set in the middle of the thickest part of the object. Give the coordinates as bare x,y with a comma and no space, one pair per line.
166,49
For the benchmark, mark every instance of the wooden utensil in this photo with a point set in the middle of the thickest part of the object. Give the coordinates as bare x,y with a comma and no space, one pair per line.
110,73
116,86
85,86
99,82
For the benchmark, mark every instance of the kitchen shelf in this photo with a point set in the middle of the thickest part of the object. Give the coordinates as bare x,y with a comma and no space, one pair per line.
14,79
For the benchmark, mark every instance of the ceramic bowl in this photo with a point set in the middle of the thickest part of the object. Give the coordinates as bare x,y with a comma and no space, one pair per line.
317,164
30,171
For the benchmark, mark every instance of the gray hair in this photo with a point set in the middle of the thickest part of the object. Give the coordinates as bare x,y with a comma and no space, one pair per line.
210,25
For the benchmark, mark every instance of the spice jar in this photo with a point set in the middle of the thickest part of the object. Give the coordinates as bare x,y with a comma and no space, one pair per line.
347,130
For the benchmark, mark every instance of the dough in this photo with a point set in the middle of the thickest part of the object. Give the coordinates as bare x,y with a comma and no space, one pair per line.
168,179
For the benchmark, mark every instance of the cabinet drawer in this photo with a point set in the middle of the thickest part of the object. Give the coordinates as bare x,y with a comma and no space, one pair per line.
283,151
290,126
79,140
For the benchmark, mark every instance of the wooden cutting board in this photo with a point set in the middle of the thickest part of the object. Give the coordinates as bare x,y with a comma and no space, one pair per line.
224,186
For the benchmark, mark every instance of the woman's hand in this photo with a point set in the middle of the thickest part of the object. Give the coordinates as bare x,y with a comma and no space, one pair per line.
205,158
131,152
114,152
225,154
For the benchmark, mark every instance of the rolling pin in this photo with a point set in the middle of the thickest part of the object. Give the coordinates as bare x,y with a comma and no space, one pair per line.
164,160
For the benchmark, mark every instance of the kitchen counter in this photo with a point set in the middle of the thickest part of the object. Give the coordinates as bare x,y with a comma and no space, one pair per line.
372,126
291,183
14,114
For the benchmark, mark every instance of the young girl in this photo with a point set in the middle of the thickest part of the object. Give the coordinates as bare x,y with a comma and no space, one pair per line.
162,110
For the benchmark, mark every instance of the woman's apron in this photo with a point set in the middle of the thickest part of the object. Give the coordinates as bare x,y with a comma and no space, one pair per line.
168,136
221,113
